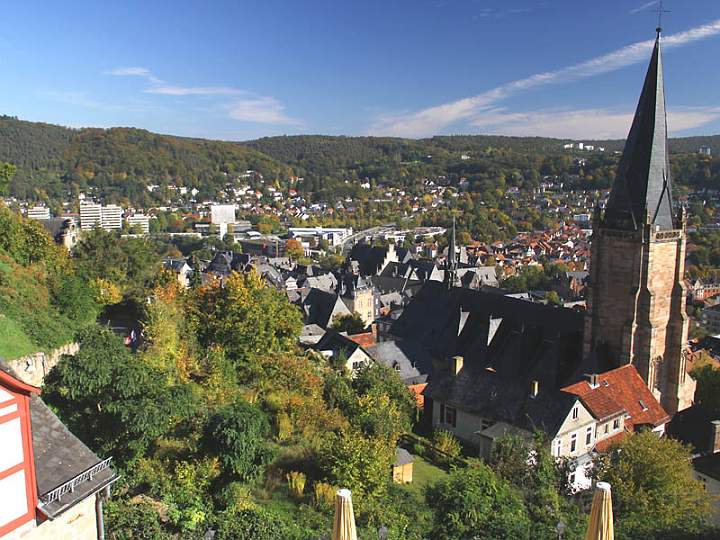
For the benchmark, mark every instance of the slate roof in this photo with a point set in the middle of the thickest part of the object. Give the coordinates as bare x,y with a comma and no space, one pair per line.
693,427
642,189
55,226
369,258
59,458
320,307
619,390
402,457
409,358
336,342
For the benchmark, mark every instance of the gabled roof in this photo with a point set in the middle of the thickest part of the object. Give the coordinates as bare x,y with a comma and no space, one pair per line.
619,390
642,189
410,359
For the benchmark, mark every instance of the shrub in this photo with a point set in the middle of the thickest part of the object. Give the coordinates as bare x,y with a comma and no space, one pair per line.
447,443
323,494
296,483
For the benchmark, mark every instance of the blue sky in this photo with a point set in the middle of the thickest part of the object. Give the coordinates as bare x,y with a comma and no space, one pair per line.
245,69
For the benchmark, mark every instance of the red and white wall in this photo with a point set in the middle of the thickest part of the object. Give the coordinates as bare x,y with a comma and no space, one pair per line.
18,495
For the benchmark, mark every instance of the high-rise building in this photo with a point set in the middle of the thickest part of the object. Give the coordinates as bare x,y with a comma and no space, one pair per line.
38,212
636,301
111,217
139,220
90,215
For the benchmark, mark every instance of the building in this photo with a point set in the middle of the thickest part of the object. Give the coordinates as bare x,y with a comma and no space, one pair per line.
51,484
711,319
705,151
402,471
333,236
90,215
636,297
111,217
38,212
96,215
139,220
63,231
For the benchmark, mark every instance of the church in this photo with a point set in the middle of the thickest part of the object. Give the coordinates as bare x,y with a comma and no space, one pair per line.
505,365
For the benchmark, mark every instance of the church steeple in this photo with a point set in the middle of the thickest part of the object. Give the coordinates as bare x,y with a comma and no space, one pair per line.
642,192
451,260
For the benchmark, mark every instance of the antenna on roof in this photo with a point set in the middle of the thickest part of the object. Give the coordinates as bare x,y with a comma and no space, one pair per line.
660,12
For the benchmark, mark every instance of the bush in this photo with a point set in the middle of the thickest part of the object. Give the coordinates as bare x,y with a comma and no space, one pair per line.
296,483
323,494
237,435
447,443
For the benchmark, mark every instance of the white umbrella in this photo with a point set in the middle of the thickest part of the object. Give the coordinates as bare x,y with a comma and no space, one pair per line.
600,526
344,523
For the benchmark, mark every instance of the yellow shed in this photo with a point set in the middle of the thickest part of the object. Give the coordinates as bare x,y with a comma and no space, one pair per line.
403,467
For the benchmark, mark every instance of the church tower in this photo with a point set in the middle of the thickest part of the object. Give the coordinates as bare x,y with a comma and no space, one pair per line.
636,299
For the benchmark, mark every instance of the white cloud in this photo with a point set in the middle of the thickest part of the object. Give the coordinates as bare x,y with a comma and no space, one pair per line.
430,120
134,72
260,109
194,91
584,123
645,6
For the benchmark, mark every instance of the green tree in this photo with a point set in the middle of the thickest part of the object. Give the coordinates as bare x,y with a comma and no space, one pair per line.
653,486
476,503
112,399
255,524
352,324
7,171
244,317
128,520
236,434
708,387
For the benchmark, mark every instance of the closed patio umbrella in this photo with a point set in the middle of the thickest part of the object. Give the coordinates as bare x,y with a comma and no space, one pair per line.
344,523
600,526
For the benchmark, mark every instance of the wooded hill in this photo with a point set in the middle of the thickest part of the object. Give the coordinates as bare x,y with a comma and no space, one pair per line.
56,163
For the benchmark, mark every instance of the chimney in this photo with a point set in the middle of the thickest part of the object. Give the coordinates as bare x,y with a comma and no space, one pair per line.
456,364
714,436
374,330
593,380
534,388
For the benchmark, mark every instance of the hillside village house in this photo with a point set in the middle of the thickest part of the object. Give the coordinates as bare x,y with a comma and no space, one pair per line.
51,485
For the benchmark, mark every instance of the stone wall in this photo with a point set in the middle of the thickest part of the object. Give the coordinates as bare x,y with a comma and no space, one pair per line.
31,369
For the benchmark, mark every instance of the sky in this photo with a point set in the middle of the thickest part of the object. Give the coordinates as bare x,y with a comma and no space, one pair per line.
238,70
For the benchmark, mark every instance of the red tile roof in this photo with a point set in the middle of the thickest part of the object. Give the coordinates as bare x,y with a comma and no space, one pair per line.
619,389
364,340
604,445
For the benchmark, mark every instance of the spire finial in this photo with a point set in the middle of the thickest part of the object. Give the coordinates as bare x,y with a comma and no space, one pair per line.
660,12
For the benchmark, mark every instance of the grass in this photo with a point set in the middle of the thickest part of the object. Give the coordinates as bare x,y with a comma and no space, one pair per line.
424,473
13,341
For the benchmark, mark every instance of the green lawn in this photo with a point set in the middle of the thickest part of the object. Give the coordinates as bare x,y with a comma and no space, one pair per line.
13,341
424,473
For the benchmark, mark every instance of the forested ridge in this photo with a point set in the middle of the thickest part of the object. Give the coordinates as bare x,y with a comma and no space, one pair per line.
55,163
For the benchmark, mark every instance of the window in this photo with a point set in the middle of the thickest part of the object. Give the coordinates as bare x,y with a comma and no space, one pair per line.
571,479
557,447
616,424
450,416
573,442
357,365
607,428
588,436
575,412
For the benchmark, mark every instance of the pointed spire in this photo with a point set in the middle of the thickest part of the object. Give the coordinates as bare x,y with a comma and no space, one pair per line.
642,192
451,260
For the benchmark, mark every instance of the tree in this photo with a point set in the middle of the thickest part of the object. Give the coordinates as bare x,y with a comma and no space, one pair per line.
359,463
653,486
236,434
244,317
475,503
708,387
352,324
294,249
75,299
255,524
7,171
112,399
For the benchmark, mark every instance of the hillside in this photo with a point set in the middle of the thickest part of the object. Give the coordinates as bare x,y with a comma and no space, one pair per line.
54,160
55,163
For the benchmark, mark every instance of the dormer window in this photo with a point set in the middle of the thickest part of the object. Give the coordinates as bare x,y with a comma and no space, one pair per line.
642,404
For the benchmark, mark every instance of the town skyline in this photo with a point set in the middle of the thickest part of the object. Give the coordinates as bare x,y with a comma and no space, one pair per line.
232,72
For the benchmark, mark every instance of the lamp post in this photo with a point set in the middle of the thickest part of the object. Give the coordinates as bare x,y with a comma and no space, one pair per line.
560,528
